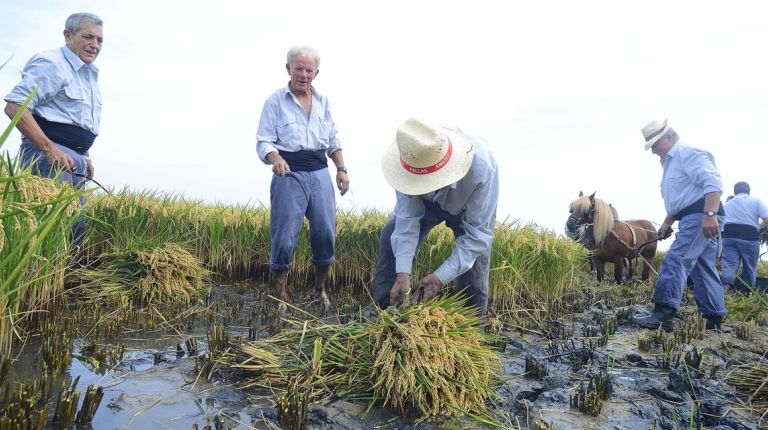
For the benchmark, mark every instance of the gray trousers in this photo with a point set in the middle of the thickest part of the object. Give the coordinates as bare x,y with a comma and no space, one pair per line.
31,155
304,194
474,282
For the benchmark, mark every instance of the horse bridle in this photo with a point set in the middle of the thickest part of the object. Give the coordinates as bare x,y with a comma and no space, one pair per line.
589,217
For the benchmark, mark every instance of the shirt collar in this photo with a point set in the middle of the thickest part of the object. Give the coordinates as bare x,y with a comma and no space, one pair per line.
315,94
75,61
672,151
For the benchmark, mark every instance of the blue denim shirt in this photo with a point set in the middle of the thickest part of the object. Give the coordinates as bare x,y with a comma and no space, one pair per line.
284,125
474,198
689,174
68,90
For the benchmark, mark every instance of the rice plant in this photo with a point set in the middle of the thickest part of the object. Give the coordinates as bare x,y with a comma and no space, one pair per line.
227,239
533,271
35,223
162,274
751,382
430,359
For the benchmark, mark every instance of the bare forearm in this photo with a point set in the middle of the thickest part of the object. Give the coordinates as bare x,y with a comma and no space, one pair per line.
342,180
712,201
337,158
29,128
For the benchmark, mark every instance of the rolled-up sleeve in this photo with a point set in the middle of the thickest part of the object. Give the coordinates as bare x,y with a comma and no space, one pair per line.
478,224
266,135
39,72
405,238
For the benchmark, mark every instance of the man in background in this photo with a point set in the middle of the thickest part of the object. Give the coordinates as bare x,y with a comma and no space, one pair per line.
741,241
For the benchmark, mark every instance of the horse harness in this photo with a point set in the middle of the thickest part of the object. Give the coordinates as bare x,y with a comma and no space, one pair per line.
621,241
589,219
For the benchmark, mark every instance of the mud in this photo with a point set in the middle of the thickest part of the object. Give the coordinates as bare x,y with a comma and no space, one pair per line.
158,384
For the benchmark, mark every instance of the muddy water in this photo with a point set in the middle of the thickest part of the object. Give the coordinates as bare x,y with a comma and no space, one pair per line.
156,385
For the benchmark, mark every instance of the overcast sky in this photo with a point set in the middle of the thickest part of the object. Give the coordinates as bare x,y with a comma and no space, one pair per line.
560,89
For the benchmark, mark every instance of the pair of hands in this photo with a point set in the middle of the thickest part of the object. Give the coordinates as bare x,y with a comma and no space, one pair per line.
59,159
280,168
427,288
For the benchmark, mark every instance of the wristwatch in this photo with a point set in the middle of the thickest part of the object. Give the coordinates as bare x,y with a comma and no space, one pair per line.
342,169
710,213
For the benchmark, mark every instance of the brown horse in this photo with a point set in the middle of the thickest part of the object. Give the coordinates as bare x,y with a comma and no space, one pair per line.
609,239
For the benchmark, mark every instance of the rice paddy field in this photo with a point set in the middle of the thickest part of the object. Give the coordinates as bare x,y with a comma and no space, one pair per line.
162,318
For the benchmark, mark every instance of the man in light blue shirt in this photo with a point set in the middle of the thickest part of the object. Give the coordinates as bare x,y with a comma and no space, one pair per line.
741,240
440,174
62,118
297,135
691,188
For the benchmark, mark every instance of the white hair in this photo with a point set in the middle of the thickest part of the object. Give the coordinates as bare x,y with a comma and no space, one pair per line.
672,134
305,51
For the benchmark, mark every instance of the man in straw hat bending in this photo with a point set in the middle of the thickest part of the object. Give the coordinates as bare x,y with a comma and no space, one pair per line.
440,174
691,188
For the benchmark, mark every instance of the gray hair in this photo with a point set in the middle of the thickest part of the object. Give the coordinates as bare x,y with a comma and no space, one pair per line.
72,24
303,50
672,134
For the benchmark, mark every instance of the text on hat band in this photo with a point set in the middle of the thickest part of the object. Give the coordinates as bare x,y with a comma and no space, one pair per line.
430,169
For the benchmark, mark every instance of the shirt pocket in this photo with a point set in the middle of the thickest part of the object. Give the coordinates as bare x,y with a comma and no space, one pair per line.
73,100
290,134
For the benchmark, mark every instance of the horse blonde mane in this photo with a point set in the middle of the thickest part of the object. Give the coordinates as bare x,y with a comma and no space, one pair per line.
603,219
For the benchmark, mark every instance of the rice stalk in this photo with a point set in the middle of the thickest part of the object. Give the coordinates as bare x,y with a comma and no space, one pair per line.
35,219
431,359
751,382
165,274
534,272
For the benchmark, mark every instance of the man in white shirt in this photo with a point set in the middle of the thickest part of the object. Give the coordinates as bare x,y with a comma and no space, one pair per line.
741,242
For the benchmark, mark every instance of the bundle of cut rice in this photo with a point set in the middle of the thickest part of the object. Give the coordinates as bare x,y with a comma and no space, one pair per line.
432,359
164,274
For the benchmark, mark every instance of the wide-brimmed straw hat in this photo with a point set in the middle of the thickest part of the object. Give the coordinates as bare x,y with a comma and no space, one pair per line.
425,158
654,131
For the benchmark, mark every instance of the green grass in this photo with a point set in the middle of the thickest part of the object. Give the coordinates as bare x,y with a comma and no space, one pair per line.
36,215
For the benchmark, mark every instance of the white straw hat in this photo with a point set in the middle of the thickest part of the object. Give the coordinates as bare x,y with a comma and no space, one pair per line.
654,131
425,158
